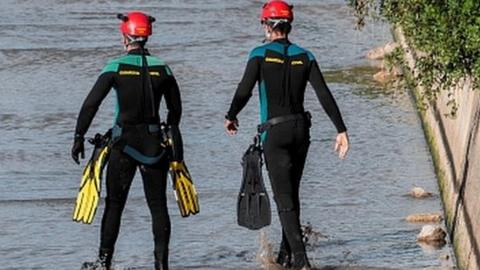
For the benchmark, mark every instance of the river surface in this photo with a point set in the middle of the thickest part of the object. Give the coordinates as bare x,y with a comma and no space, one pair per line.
51,53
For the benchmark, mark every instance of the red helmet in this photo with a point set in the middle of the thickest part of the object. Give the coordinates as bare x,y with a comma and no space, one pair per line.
136,24
277,9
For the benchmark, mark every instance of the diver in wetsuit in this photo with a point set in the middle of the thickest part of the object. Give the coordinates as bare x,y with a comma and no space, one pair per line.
282,70
140,81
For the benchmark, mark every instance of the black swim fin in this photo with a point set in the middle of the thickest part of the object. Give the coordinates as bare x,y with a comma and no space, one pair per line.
253,207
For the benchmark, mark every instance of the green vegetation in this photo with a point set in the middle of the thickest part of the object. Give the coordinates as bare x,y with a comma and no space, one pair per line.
394,58
446,31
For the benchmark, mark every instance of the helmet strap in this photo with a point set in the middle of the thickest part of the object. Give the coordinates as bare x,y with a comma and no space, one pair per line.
268,35
132,40
272,25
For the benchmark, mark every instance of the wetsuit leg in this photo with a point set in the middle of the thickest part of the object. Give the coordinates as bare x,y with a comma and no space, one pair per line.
120,172
285,149
298,163
299,155
155,184
284,246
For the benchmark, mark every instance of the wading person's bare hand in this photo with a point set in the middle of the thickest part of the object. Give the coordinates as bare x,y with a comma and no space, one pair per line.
342,145
231,127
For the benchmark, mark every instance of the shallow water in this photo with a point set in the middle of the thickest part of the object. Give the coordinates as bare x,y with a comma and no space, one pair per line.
51,52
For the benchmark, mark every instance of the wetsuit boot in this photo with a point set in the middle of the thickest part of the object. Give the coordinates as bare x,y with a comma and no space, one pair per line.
284,257
103,262
161,261
300,262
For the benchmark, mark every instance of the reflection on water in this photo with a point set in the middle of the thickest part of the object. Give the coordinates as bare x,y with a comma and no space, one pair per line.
52,52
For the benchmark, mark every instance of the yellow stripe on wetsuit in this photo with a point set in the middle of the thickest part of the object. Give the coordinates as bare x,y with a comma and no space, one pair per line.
280,61
274,60
136,73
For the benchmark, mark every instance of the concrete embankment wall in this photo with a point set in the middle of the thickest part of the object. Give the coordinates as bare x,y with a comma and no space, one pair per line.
455,147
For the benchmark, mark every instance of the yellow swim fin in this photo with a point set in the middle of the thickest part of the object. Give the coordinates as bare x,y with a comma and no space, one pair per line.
91,183
185,192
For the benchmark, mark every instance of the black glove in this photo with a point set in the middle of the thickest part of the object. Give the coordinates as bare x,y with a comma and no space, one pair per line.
78,149
177,143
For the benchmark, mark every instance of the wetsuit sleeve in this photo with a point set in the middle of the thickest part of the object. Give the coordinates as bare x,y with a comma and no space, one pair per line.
92,102
325,96
245,87
174,102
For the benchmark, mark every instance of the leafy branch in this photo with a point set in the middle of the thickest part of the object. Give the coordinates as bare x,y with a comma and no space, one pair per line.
448,31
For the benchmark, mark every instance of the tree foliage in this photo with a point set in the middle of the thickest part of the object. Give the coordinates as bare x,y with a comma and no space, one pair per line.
447,31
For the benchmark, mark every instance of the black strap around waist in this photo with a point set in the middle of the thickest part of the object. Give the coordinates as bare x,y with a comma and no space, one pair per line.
282,119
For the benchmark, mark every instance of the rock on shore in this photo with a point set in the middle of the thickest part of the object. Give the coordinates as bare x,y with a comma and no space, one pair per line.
431,234
419,193
424,218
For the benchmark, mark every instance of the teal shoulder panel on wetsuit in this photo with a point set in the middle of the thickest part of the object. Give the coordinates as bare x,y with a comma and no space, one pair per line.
110,67
130,59
134,60
155,61
258,52
261,50
294,49
276,47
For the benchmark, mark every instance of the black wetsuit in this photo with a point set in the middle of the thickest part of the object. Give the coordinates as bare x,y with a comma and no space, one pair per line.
282,70
136,132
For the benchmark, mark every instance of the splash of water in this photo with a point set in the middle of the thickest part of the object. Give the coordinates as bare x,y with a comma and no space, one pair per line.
265,254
